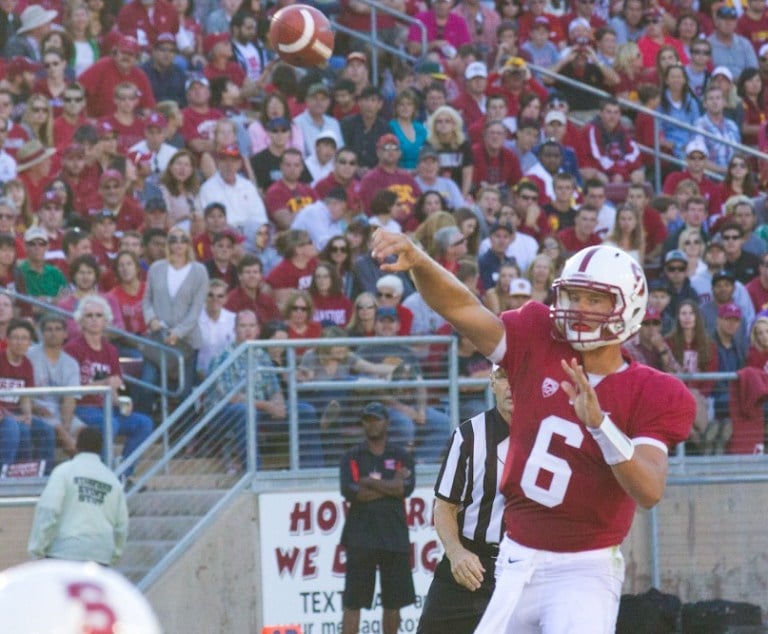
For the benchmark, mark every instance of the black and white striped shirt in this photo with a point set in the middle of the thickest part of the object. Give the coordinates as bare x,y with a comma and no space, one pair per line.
470,475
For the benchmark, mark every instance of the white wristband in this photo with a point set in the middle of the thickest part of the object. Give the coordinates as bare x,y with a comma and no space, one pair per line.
614,444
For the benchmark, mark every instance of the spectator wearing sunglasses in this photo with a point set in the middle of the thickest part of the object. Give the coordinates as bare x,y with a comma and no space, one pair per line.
344,174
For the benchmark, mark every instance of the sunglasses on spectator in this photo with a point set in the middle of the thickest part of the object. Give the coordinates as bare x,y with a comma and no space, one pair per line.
700,51
676,269
73,99
176,239
529,198
37,243
39,109
687,243
93,315
279,130
732,236
343,162
216,295
303,309
386,295
372,306
337,249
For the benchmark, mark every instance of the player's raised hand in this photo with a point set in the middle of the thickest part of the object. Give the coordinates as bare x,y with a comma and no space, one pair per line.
582,394
395,251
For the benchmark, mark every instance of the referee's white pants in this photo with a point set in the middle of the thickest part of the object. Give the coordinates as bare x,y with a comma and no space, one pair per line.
544,592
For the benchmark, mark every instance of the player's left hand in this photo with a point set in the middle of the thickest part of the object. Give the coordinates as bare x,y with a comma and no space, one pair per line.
581,394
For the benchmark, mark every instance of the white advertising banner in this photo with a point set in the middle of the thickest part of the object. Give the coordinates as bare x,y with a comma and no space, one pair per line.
303,564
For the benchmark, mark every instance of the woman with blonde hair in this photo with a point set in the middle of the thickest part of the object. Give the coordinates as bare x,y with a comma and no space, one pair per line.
445,133
364,316
425,232
174,298
541,274
627,233
37,119
757,356
628,65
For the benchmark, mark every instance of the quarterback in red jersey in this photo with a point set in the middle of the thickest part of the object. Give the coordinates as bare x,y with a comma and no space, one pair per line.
590,444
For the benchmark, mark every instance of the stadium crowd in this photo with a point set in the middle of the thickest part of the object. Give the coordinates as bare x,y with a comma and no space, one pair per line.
163,172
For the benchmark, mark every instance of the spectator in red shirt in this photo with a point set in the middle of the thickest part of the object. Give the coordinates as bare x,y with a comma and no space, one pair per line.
471,103
288,195
298,312
100,79
82,182
199,118
146,19
582,234
22,436
495,164
72,115
344,175
125,209
128,126
696,161
330,303
299,262
34,169
609,149
250,293
221,63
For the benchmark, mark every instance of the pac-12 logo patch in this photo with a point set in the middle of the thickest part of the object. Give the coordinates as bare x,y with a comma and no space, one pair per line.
549,387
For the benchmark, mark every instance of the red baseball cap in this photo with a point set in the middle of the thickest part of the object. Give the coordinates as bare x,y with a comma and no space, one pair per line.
231,150
387,139
155,120
111,175
212,39
128,44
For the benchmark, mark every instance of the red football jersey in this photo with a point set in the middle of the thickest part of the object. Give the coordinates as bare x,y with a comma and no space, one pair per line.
561,495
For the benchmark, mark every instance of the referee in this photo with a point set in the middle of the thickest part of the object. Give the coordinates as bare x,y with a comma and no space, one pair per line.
468,517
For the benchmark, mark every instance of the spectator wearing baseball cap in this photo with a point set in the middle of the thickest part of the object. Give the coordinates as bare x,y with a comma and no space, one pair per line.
388,175
540,35
149,17
33,164
166,78
470,104
154,144
357,71
696,155
729,47
648,345
315,118
72,115
199,116
730,335
221,63
115,199
41,279
101,79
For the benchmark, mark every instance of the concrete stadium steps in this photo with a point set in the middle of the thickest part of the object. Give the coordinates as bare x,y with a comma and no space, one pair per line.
163,527
155,503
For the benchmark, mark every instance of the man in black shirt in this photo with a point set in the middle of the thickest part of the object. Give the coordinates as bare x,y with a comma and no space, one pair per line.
362,130
468,517
376,476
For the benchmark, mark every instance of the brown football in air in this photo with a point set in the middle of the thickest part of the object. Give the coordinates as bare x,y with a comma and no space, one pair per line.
301,36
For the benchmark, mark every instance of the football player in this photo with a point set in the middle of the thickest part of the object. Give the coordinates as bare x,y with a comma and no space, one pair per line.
591,442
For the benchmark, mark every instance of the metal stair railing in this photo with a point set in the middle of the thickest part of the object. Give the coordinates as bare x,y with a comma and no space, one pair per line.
372,38
658,155
165,351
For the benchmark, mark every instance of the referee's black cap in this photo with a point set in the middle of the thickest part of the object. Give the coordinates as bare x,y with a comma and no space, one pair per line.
375,410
